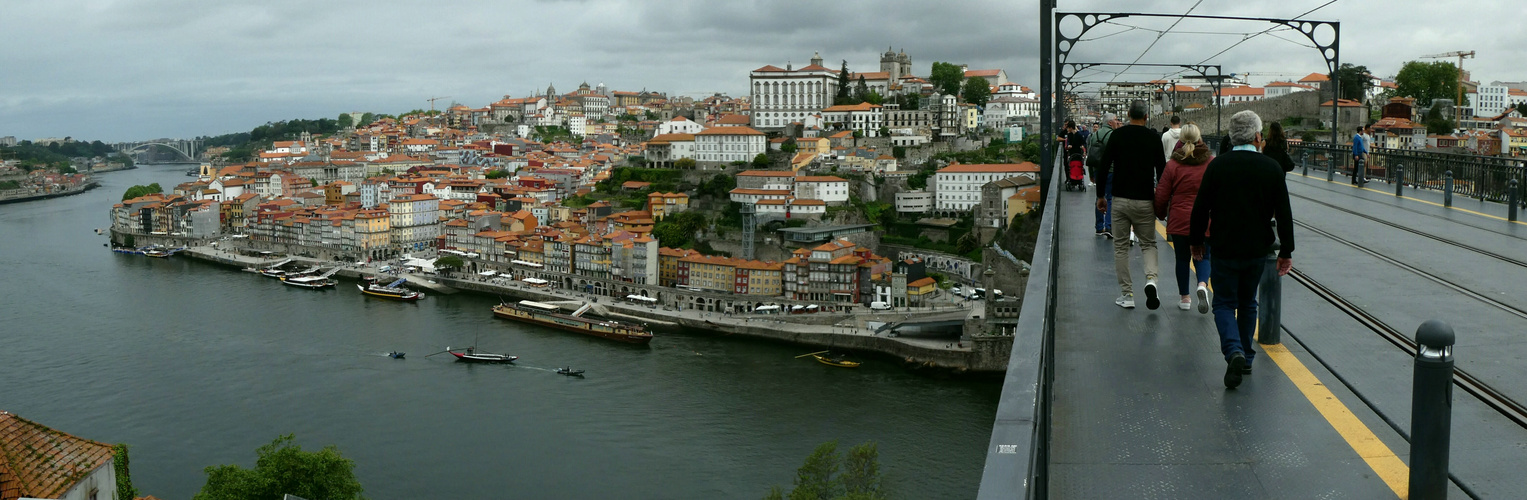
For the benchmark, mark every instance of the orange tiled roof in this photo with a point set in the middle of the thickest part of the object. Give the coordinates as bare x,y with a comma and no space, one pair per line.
39,462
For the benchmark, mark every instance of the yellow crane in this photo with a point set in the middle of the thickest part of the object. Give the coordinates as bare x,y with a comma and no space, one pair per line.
1458,102
432,107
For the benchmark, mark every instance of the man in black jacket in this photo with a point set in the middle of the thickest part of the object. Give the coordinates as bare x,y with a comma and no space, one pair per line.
1133,156
1241,191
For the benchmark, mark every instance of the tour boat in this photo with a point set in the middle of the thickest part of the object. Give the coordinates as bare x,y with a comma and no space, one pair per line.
471,355
156,252
392,290
310,282
835,360
550,315
273,272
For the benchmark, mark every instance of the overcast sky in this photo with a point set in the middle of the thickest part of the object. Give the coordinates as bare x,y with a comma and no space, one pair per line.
140,69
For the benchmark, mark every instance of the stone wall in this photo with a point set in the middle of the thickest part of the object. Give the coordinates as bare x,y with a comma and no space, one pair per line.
1303,104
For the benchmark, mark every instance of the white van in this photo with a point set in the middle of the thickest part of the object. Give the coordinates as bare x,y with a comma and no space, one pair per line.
880,306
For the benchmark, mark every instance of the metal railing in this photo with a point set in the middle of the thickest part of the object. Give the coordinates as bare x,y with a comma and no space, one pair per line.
1018,457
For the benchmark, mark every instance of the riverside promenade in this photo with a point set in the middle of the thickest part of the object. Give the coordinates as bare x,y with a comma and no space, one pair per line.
851,331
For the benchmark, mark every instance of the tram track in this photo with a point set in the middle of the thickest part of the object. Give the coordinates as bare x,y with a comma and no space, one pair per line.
1481,251
1486,394
1513,310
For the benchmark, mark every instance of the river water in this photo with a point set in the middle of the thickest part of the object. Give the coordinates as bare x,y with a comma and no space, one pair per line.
193,365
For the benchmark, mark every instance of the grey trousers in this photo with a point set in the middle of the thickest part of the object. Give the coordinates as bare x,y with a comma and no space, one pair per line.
1139,215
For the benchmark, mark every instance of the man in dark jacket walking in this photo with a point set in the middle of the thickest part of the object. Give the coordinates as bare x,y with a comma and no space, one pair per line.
1133,157
1240,192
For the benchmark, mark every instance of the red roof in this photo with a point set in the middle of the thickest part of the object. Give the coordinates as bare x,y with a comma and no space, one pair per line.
982,72
771,67
1315,78
39,462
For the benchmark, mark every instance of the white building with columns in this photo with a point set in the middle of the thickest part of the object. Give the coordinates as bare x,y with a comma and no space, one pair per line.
780,96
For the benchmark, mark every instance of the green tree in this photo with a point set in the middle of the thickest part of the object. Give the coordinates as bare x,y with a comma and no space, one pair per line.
1438,123
843,85
899,152
284,469
789,146
1427,81
1354,81
861,91
497,173
819,478
874,97
140,190
366,119
1522,108
684,164
449,262
761,161
345,120
977,90
946,78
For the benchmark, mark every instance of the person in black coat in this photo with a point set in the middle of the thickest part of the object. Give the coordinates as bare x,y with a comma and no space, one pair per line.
1277,147
1241,190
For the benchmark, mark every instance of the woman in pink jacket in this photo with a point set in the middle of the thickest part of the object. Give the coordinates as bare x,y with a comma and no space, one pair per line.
1174,202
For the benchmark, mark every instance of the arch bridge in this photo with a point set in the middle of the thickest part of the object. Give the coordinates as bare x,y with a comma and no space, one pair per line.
187,148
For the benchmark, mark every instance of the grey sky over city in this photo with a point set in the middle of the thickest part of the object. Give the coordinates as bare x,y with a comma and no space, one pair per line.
127,70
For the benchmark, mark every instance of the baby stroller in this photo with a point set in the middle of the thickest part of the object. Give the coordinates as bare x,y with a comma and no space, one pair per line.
1075,176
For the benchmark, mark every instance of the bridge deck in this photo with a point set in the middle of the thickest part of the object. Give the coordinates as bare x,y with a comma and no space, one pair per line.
1140,411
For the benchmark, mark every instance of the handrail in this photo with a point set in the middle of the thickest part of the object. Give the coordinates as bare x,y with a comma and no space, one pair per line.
1017,460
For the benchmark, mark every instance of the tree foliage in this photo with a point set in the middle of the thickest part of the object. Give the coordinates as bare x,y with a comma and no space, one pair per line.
141,190
909,102
1354,81
684,164
678,230
842,96
789,146
1437,122
826,475
946,78
861,91
366,119
497,173
977,90
1522,108
761,161
449,262
719,186
1427,81
284,469
119,462
345,120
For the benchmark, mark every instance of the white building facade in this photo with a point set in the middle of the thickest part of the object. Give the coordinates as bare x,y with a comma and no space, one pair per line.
957,187
729,144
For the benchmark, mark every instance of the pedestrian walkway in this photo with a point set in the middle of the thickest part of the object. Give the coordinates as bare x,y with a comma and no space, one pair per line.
1140,409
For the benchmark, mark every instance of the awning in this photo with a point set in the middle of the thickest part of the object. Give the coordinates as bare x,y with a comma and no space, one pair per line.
487,273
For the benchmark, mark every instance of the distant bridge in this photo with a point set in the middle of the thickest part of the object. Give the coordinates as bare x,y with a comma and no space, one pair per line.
186,147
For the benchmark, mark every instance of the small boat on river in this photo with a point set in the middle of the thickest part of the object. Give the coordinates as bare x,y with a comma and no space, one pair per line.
472,355
835,360
309,282
569,371
394,290
395,355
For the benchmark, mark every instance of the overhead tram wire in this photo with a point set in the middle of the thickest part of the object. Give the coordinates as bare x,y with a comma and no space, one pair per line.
1263,32
1158,39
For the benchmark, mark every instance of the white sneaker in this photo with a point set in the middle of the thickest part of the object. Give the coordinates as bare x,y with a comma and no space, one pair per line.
1203,300
1126,301
1152,301
1185,305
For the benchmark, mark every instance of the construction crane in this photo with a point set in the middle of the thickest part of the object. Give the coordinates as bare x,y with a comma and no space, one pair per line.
432,108
1458,101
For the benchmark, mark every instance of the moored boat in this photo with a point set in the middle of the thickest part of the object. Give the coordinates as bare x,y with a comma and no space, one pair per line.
393,291
550,315
310,282
835,360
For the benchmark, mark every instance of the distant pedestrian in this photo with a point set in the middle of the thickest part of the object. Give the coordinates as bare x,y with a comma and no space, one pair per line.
1174,202
1277,147
1240,192
1170,136
1103,219
1133,159
1360,155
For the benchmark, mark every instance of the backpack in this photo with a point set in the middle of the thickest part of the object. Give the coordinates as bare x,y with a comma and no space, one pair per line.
1095,145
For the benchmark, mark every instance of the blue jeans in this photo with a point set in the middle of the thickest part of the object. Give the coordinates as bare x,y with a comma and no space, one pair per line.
1184,255
1104,221
1235,303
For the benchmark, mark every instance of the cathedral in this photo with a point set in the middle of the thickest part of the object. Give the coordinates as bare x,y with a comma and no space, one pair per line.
895,65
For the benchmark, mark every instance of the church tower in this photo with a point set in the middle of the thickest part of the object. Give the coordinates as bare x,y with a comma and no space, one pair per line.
551,91
816,58
906,64
889,64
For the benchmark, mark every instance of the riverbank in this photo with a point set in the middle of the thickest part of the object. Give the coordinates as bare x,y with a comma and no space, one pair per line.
34,197
852,331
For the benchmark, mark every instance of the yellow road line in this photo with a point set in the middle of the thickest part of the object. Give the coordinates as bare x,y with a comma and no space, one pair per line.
1433,203
1373,451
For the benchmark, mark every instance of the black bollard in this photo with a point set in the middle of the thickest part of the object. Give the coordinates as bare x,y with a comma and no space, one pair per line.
1330,166
1399,179
1447,190
1304,160
1270,300
1431,410
1511,199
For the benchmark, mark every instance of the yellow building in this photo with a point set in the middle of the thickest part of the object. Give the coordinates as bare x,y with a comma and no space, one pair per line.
1021,202
761,278
921,291
668,264
709,273
373,232
972,117
816,146
662,204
